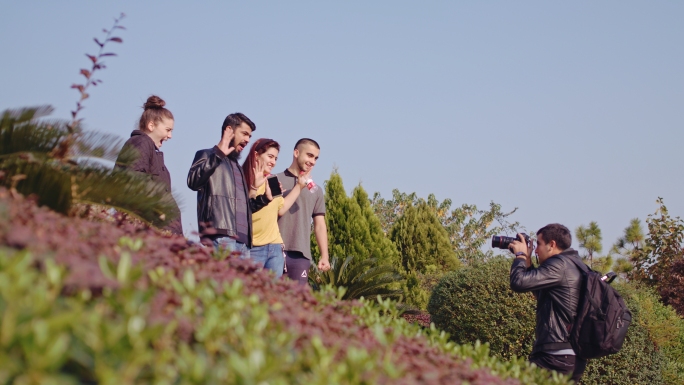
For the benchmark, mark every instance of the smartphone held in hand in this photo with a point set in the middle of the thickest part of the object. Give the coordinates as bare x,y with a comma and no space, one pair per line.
274,185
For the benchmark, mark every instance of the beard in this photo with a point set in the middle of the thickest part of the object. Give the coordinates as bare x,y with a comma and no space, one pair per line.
235,155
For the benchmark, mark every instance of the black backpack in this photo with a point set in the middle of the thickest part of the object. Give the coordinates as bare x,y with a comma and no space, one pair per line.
602,316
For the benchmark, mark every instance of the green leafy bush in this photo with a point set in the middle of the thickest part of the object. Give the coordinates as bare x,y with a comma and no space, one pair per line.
476,303
662,326
638,362
387,314
130,306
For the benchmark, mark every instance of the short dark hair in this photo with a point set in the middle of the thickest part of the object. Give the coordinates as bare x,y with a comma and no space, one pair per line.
556,232
235,119
307,141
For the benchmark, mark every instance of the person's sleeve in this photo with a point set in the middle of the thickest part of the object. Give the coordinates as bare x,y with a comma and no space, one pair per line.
547,275
319,207
143,160
259,202
281,203
203,167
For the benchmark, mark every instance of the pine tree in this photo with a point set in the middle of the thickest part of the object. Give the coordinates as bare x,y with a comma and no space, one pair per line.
381,247
425,250
423,243
468,227
348,232
363,259
590,239
353,228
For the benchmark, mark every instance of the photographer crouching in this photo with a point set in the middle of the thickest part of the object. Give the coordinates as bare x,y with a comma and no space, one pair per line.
556,285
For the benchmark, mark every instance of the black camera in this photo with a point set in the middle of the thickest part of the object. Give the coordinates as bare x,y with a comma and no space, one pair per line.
502,242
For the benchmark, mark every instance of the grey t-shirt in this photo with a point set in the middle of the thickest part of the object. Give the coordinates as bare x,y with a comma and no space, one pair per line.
295,225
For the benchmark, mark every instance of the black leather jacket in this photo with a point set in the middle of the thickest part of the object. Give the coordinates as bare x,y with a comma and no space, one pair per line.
556,284
212,177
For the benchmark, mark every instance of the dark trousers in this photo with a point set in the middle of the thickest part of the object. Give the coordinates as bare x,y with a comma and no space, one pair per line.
297,267
562,364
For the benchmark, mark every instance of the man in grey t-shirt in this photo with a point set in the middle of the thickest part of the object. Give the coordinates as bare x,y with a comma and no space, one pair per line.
295,225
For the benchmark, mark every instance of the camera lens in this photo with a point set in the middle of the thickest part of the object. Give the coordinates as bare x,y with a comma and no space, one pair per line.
501,242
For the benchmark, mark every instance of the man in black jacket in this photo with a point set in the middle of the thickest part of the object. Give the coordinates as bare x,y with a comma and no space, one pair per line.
224,209
556,284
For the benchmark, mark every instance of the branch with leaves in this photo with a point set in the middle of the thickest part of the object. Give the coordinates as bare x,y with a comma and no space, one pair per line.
44,158
97,64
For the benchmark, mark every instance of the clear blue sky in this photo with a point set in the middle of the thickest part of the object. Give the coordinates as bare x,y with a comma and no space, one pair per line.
570,111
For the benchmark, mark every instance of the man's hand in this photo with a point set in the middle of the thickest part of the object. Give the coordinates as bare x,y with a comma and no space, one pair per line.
324,264
518,246
226,143
303,177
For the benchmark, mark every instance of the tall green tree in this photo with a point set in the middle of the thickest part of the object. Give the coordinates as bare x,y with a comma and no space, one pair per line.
422,241
353,228
381,247
348,230
425,250
628,246
468,227
590,239
663,247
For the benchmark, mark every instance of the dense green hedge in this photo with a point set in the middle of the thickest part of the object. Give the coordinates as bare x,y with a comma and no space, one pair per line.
48,338
99,303
476,303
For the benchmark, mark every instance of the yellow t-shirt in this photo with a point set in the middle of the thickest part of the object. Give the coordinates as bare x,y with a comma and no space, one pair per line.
265,229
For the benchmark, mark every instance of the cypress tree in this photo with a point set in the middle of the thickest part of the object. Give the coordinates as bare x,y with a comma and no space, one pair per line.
422,241
380,247
355,232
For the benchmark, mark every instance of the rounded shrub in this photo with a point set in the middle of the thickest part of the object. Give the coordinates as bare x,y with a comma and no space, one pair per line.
476,303
639,361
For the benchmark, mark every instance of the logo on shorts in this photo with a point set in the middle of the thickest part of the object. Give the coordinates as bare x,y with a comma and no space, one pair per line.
304,274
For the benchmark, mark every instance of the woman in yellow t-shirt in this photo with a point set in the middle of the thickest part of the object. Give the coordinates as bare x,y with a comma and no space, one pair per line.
267,244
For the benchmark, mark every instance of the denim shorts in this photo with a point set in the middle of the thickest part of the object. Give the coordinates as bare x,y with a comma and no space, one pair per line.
270,257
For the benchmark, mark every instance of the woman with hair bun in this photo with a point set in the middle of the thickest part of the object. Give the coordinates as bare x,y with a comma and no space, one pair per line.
154,128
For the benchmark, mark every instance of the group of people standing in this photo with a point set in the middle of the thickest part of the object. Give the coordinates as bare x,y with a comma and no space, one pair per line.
236,209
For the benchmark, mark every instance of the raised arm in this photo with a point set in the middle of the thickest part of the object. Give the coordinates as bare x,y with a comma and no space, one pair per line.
206,162
290,199
549,274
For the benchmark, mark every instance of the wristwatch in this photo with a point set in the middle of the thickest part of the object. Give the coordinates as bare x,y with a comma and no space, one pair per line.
520,253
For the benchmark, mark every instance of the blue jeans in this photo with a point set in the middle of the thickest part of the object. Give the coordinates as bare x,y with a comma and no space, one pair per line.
269,257
230,244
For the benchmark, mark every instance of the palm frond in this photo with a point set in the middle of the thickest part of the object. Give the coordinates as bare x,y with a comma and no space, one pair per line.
26,114
37,158
131,192
361,278
102,146
20,134
48,180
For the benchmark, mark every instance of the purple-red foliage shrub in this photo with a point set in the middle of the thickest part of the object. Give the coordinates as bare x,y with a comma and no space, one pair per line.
78,244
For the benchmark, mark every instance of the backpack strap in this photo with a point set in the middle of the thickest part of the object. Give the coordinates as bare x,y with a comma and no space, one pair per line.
578,262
